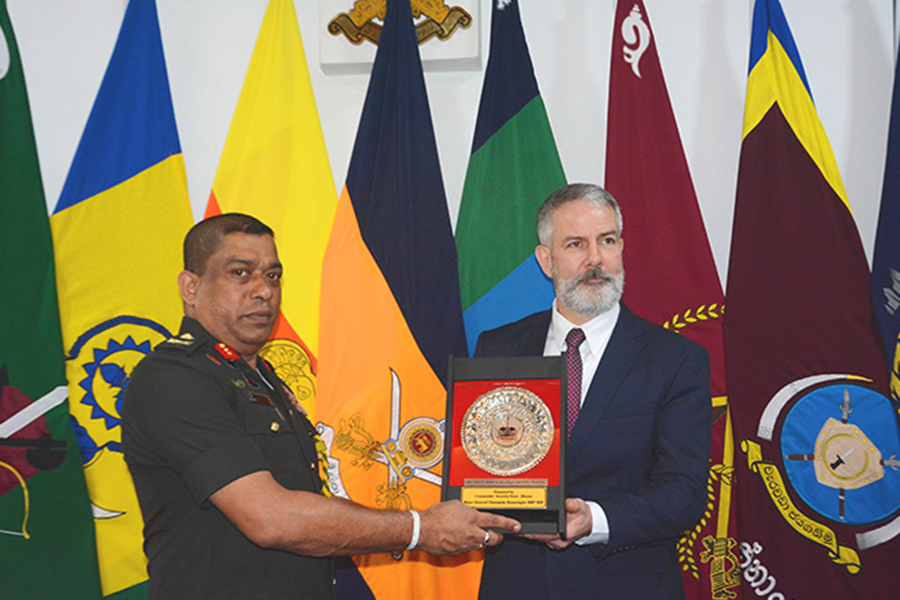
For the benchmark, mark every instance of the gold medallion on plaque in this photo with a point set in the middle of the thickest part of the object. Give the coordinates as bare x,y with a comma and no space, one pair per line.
507,431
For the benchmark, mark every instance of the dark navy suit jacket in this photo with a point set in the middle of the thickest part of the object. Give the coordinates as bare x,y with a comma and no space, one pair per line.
640,449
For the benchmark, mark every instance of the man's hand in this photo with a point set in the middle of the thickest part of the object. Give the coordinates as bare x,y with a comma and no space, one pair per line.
579,523
453,528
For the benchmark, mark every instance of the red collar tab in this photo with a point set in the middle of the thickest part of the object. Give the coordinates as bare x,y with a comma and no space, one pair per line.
226,351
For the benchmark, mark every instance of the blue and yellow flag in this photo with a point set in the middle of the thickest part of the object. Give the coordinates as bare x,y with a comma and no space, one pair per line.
390,316
818,481
514,166
117,232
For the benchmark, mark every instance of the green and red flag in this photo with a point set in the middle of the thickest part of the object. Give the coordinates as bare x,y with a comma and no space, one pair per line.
818,478
47,547
672,278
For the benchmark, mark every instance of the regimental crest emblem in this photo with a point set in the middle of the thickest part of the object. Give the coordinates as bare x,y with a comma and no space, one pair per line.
100,364
292,364
892,294
422,441
709,541
637,38
409,452
433,19
27,446
839,442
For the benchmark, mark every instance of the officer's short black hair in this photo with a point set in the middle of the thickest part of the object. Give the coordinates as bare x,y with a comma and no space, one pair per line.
204,238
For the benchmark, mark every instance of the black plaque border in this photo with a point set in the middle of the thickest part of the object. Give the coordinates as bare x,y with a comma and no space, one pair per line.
551,520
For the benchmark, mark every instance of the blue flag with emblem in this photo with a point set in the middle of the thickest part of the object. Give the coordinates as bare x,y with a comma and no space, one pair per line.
117,232
886,258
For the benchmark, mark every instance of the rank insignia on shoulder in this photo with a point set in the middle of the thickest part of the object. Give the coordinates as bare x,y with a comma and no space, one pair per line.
181,340
226,351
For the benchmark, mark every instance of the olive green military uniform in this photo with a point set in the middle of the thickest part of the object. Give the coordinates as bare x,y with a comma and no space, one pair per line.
196,417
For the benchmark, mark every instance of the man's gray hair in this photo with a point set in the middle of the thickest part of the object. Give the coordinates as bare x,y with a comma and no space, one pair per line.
593,194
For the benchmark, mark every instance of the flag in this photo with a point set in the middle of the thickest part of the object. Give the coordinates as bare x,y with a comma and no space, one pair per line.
46,529
514,166
117,233
390,317
672,278
274,166
817,479
886,257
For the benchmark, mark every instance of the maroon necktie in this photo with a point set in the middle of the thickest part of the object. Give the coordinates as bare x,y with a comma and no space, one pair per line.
573,363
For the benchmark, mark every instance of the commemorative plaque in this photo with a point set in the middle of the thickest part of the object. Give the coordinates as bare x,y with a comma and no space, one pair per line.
504,443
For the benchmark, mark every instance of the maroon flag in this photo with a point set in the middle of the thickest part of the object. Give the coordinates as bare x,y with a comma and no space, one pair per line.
817,476
672,278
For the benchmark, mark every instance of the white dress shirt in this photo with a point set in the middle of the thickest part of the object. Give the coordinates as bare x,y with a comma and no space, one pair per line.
597,332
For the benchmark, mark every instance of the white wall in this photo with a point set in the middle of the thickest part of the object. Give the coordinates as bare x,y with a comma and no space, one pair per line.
846,46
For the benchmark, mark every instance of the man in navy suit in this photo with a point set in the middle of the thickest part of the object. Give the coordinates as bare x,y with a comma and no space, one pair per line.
637,455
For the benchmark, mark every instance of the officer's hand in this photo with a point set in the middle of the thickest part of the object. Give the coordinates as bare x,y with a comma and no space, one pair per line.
453,528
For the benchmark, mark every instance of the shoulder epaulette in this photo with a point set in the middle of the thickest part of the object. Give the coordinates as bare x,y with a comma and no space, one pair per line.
185,342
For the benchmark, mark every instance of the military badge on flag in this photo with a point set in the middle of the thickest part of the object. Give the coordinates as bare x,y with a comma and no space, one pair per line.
818,480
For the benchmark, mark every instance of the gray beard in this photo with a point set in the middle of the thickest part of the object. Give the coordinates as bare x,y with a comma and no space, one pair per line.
589,299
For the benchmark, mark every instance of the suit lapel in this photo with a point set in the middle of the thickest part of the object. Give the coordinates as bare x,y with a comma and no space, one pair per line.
534,344
623,348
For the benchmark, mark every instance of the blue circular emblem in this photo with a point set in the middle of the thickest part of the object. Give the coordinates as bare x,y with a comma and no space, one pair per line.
105,356
840,444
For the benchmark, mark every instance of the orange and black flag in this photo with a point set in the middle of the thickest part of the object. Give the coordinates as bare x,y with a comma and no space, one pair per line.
818,476
390,317
672,278
275,167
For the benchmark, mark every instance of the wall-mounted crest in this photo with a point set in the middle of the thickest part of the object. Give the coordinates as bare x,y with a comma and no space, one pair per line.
350,32
433,18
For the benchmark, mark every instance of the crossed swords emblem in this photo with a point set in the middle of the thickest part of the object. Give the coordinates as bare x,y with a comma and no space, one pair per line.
408,453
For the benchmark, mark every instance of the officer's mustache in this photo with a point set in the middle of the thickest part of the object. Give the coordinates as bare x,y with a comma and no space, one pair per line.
594,273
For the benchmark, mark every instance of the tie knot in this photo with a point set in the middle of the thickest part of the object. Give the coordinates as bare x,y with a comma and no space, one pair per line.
574,339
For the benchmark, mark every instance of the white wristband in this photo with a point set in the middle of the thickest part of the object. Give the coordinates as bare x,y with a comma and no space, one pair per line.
417,528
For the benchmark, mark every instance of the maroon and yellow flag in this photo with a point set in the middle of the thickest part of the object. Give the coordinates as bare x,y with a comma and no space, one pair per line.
672,278
817,475
274,166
